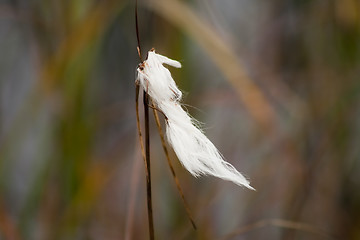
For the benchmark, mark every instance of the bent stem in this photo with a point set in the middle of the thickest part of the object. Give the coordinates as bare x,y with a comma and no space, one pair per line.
186,206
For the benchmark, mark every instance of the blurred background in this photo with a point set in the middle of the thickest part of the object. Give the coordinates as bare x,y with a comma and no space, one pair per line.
276,84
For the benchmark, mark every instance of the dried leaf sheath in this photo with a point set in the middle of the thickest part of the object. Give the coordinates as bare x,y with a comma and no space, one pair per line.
194,150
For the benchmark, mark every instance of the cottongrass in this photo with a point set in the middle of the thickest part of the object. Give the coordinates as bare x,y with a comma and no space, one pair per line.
194,150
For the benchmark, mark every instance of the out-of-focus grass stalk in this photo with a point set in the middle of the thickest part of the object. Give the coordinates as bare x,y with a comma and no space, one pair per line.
87,31
93,26
215,46
67,70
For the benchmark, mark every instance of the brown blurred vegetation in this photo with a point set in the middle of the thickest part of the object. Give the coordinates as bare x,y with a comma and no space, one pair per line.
276,84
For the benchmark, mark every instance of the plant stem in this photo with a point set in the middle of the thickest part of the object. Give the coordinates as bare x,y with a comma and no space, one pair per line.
148,172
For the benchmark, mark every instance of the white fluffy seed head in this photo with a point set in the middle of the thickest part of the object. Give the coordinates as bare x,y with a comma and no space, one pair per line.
157,80
194,150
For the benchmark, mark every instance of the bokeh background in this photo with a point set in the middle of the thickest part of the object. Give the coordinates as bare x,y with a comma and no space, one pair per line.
276,84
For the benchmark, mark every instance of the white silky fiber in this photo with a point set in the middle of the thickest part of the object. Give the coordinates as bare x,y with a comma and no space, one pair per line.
194,150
